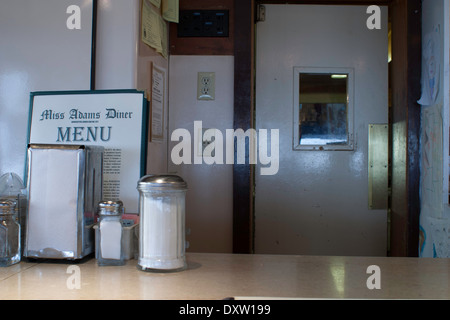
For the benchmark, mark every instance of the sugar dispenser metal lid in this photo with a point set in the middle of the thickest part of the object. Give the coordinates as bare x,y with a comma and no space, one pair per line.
168,181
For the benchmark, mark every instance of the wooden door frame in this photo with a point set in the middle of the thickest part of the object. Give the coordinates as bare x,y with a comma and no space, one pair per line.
405,71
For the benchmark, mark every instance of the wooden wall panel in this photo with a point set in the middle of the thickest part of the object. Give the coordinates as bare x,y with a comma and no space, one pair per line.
243,119
406,72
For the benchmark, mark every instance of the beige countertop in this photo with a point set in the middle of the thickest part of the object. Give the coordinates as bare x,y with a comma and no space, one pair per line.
219,276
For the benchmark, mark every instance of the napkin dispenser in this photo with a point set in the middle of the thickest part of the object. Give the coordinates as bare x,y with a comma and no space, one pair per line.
64,186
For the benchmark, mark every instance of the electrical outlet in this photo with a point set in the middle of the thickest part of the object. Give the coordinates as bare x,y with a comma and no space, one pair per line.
206,86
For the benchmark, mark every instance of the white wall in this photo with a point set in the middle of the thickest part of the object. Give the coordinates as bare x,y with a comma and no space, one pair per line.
209,204
37,53
123,62
117,36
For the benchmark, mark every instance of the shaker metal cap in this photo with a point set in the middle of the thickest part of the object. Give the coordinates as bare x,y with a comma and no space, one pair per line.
110,207
168,181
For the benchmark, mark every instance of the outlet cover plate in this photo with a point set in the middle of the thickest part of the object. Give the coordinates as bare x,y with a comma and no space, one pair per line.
206,86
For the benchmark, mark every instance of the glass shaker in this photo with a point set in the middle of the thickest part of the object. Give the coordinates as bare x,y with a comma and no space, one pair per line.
109,250
162,223
9,234
12,188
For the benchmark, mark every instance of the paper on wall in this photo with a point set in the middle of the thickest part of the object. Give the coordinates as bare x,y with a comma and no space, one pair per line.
158,89
154,30
156,3
170,10
151,27
431,67
164,38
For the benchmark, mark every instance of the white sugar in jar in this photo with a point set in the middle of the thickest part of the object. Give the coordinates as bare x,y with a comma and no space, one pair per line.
162,223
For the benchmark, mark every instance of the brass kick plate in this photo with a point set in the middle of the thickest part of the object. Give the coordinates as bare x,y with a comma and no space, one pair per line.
378,166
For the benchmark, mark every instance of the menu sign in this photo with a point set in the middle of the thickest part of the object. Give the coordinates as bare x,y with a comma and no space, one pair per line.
115,120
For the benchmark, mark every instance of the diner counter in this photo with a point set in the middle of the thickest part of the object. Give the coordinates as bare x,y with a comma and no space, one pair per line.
220,276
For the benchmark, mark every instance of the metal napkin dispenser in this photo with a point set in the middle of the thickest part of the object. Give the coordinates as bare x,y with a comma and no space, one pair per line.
64,186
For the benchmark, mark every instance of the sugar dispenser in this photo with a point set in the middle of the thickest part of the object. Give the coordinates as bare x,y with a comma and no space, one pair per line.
162,223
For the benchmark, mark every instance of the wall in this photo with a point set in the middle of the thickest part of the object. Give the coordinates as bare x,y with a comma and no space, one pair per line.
435,213
38,53
209,199
209,203
123,62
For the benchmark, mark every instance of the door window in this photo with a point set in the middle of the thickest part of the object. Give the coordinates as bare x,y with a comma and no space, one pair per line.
323,109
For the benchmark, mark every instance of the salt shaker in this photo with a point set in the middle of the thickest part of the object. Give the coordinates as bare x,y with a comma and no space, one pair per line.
9,234
109,251
162,223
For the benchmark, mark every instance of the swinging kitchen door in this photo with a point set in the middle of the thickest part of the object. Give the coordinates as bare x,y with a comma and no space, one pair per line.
322,81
